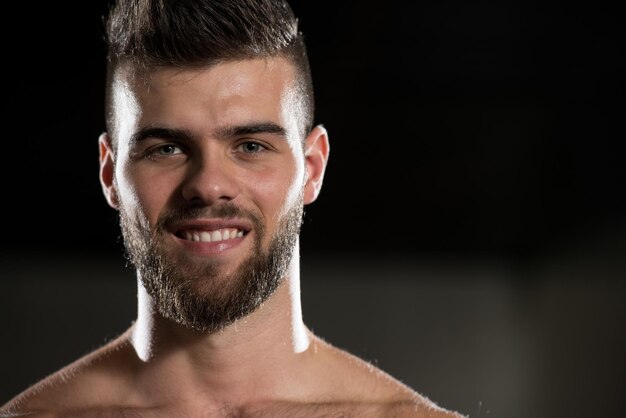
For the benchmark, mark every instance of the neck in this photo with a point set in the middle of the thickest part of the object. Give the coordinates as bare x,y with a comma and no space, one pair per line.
267,344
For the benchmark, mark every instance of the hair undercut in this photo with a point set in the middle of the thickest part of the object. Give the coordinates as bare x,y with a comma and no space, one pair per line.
150,34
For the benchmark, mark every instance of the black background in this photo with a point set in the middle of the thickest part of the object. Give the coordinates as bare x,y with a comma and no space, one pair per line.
467,128
474,196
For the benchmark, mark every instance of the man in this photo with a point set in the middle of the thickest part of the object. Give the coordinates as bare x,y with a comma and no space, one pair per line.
210,155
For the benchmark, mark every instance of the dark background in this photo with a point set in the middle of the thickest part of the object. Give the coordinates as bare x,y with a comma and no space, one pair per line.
476,170
466,128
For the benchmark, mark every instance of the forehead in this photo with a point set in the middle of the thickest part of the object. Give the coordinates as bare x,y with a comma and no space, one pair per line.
227,93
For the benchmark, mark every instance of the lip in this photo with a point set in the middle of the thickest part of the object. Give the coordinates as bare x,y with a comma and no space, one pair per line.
179,230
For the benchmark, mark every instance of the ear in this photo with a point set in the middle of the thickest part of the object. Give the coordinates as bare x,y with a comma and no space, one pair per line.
107,158
316,149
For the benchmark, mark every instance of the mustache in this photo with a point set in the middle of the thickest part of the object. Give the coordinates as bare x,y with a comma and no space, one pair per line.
223,210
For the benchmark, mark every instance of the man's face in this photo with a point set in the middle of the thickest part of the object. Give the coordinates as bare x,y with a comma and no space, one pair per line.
210,180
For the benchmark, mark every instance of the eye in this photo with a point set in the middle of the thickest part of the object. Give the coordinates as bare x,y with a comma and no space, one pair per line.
251,147
166,149
163,150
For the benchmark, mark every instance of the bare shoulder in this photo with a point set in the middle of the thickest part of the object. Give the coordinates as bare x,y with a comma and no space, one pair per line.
42,399
68,388
418,408
374,392
346,409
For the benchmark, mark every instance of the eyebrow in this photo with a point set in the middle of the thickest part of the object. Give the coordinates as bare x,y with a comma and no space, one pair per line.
233,131
163,133
251,129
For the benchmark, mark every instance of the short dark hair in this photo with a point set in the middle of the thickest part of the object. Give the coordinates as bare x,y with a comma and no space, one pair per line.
149,34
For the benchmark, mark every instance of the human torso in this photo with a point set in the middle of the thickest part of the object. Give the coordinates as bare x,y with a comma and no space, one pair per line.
102,386
262,410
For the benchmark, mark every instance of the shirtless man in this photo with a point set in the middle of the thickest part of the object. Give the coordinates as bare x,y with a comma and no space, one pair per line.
210,156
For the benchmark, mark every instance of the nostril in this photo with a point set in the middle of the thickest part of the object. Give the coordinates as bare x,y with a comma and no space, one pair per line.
210,183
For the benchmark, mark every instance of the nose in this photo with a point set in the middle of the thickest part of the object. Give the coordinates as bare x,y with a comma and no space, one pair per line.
210,178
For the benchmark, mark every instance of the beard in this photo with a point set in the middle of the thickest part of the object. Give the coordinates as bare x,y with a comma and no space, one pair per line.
195,293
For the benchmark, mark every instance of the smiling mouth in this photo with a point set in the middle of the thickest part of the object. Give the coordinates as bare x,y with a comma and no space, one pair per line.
217,235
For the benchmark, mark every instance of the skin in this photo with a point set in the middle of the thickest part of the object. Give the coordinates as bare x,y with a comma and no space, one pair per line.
267,364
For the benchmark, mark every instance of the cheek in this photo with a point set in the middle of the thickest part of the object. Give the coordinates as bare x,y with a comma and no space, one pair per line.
139,196
277,191
125,188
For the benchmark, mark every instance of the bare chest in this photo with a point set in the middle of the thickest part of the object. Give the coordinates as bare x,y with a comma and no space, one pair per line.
275,410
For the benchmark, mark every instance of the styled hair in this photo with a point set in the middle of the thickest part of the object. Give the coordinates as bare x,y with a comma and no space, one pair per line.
151,34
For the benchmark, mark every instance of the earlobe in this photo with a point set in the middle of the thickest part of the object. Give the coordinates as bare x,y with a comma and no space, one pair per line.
107,159
316,150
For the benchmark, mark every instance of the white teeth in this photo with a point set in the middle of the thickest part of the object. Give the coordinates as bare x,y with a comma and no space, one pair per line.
213,236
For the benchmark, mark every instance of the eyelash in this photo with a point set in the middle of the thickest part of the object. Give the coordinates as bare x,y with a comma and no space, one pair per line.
255,143
155,152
